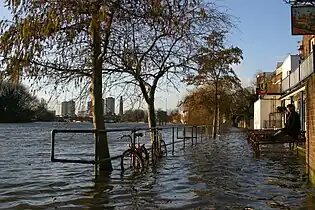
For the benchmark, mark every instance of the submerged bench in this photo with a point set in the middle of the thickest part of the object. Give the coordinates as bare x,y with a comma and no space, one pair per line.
264,137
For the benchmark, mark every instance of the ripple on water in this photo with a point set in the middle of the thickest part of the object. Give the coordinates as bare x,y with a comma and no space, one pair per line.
217,174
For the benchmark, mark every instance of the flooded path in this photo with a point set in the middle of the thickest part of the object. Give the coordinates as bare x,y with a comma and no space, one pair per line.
217,174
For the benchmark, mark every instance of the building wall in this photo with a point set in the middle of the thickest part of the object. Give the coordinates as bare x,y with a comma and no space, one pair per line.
89,108
290,64
110,105
310,127
68,109
257,114
307,45
270,78
121,106
262,109
64,107
71,108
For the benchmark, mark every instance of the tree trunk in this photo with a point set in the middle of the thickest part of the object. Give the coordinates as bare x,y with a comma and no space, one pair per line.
96,94
215,120
151,117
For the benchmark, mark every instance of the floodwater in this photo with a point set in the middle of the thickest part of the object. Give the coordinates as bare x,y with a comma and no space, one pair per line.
213,174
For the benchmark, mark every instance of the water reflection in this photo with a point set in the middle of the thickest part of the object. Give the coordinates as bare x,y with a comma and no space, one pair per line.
215,174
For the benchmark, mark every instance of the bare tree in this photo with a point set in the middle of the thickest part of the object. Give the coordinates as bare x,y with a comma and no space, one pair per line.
161,42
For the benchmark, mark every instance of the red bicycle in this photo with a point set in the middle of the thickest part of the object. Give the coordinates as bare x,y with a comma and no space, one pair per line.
136,156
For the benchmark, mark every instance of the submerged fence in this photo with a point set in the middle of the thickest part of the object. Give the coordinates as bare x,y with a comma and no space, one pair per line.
171,135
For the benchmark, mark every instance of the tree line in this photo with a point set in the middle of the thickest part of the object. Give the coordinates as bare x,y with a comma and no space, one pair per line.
140,115
137,44
233,104
17,105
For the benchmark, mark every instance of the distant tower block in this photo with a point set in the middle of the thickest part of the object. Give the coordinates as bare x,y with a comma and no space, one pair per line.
110,106
121,106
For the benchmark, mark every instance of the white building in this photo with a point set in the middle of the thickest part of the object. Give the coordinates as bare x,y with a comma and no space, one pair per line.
110,105
266,115
290,63
264,112
293,87
68,109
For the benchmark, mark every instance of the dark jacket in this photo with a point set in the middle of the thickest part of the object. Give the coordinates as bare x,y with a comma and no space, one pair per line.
293,124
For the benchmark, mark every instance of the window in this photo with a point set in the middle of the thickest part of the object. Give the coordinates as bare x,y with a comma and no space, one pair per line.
312,42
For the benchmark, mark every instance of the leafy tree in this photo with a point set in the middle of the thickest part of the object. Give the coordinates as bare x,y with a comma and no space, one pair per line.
18,105
42,113
214,66
63,42
243,102
161,116
175,117
134,115
200,103
234,102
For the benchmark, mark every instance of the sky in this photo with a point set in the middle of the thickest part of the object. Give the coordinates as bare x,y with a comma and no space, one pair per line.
263,32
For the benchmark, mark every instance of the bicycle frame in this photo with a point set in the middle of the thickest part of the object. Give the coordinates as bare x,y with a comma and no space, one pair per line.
133,137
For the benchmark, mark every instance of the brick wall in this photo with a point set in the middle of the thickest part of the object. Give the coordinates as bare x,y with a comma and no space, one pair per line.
310,127
270,80
306,44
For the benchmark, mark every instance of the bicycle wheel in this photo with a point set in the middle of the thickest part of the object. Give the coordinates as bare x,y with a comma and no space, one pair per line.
144,153
131,159
163,150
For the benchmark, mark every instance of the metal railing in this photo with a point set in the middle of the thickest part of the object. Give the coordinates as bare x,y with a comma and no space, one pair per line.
194,131
305,69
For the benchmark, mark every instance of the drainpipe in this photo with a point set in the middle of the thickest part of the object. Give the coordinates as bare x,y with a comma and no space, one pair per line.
299,69
302,113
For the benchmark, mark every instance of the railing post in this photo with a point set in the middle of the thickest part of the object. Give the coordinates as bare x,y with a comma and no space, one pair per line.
96,153
184,137
173,138
196,129
192,135
52,157
201,134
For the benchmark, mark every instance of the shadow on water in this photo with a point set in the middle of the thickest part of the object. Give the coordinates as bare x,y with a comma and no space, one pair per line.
214,174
